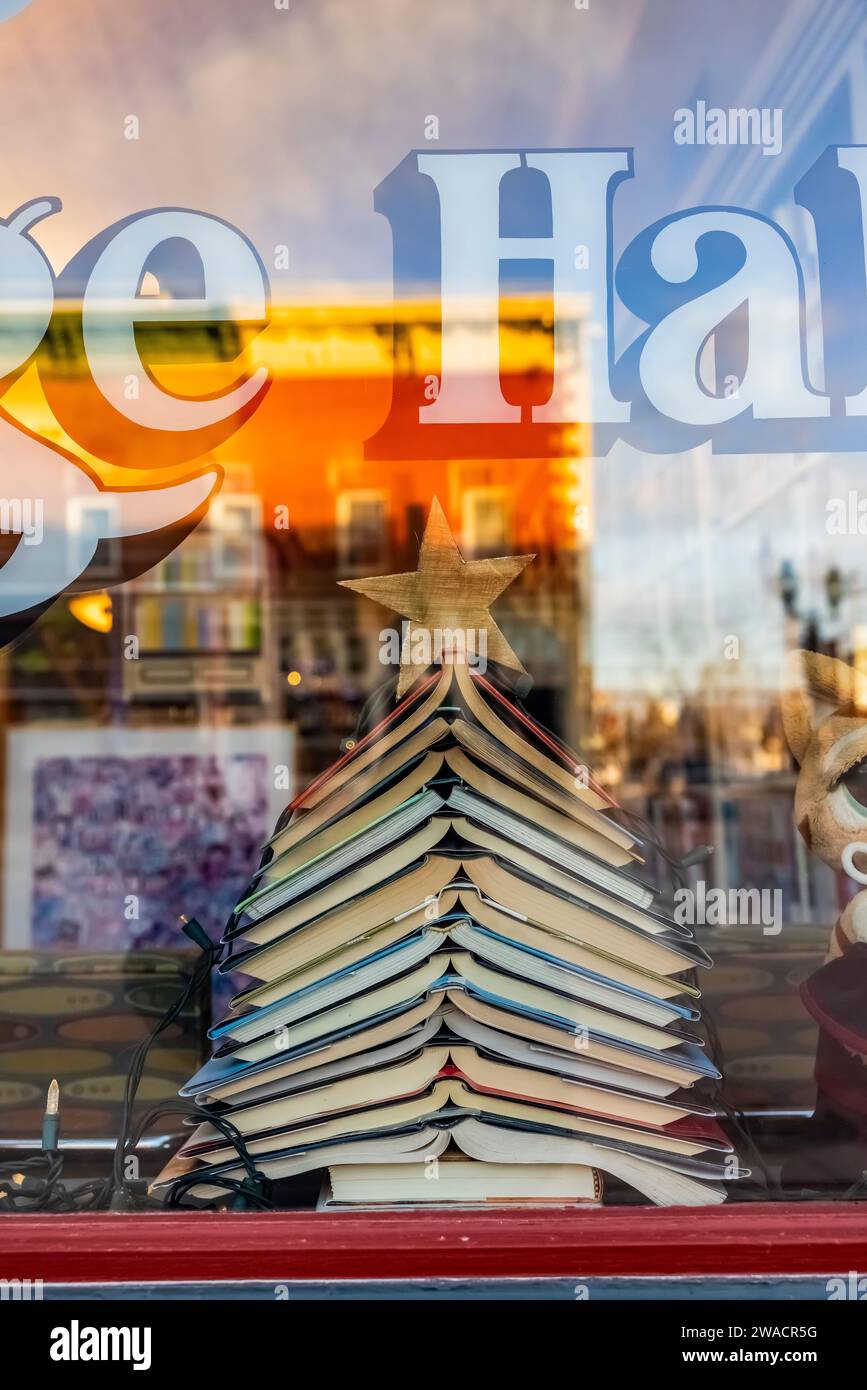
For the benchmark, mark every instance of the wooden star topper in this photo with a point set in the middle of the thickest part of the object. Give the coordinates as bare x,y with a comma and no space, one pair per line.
445,595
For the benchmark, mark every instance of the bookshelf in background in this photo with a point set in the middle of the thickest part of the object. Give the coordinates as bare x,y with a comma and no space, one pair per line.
201,615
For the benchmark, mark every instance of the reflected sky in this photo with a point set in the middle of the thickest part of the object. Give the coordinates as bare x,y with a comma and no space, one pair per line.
284,122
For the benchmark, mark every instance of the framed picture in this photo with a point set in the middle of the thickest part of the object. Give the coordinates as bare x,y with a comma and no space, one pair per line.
113,833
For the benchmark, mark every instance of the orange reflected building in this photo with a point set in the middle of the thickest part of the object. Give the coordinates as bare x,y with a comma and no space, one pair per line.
251,598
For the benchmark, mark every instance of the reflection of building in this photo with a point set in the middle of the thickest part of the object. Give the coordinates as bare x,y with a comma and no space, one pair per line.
251,598
708,568
200,617
353,515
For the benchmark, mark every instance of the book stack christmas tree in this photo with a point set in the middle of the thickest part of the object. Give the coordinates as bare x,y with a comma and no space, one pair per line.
462,988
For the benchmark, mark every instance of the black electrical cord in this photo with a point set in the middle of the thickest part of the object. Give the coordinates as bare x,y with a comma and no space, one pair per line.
119,1191
255,1186
24,1188
35,1184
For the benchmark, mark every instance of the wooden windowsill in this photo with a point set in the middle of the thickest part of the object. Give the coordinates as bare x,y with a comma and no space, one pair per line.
742,1239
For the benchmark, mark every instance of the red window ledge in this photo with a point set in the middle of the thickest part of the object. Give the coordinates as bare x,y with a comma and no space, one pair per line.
758,1239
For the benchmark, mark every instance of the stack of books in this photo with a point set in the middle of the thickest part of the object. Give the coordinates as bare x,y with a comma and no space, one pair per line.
462,989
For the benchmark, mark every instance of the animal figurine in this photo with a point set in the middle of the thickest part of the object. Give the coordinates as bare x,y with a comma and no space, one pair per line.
824,707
